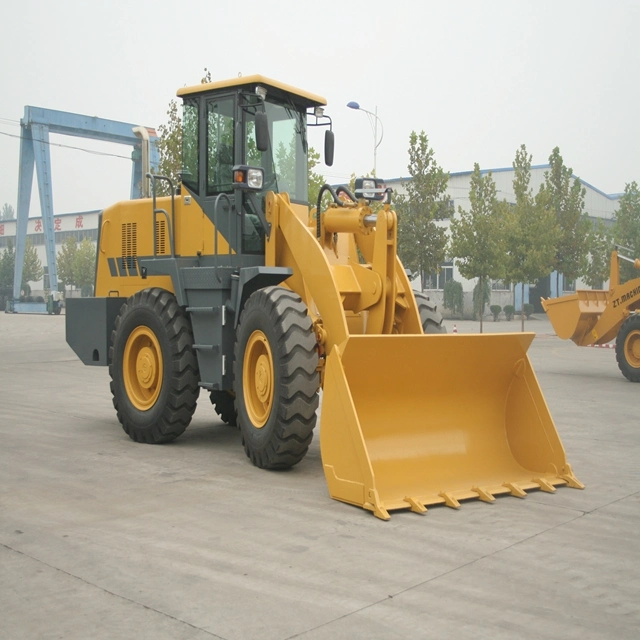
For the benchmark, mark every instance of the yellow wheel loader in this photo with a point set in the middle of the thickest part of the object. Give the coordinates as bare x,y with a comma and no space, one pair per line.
595,317
233,285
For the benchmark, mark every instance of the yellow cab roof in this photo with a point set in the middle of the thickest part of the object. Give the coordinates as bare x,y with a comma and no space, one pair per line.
311,99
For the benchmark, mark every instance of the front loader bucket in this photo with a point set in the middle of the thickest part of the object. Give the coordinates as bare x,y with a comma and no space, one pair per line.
573,316
414,420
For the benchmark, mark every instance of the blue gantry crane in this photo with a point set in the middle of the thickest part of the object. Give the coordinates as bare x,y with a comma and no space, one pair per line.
36,126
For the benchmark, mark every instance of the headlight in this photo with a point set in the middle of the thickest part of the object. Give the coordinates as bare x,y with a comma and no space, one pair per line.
370,189
255,178
245,177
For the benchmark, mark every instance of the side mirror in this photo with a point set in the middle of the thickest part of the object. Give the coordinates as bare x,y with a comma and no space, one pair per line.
329,142
262,131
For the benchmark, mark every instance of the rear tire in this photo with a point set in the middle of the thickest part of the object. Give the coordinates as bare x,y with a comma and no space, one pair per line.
276,378
154,371
430,318
224,405
628,348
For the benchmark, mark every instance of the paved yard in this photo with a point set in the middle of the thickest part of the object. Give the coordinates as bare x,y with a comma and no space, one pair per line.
103,538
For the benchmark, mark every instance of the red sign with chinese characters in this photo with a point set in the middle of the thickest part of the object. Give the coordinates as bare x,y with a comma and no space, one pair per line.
57,224
79,223
38,228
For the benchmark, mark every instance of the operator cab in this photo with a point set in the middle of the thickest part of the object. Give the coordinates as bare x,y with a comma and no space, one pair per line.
242,138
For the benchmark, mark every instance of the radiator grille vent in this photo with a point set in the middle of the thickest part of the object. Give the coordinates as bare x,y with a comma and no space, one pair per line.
161,236
129,246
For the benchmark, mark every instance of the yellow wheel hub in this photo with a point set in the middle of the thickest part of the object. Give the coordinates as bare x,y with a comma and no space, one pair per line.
632,348
258,379
142,368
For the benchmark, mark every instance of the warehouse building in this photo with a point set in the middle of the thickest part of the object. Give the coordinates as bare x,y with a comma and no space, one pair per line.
598,206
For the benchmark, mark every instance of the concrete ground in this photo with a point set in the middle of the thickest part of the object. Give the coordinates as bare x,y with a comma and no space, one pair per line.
103,538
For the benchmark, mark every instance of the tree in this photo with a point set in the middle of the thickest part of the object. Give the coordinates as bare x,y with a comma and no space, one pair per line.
477,236
84,266
170,148
7,212
7,269
627,229
599,244
65,261
316,180
32,270
453,296
566,198
532,232
421,242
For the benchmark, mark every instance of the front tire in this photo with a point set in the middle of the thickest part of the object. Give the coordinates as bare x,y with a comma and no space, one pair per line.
430,317
276,378
628,348
154,371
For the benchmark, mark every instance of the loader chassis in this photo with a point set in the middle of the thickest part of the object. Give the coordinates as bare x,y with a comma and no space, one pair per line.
233,286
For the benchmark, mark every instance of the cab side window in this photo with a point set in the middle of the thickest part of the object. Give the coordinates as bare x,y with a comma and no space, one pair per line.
220,145
190,168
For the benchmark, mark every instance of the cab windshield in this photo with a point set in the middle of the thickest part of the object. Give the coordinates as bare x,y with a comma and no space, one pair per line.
285,163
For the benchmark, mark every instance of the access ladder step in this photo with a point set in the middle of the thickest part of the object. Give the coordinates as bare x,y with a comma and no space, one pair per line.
215,348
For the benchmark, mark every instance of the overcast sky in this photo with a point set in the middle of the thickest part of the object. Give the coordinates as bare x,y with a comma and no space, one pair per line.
480,78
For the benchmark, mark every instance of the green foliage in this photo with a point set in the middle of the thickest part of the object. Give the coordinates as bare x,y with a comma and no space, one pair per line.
528,309
65,260
481,297
7,212
566,199
478,236
169,146
84,264
421,242
599,243
532,231
627,229
32,270
509,311
495,311
316,180
7,265
453,296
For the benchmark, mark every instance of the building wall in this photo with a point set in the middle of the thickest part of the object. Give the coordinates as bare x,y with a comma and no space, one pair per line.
598,205
80,225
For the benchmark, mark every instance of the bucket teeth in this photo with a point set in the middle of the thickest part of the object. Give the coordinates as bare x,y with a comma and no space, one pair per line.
570,479
516,490
449,500
416,506
544,485
483,494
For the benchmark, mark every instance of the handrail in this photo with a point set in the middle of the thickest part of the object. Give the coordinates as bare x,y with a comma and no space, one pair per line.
156,211
216,230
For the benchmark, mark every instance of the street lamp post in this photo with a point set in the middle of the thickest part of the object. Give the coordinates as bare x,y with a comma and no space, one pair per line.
373,121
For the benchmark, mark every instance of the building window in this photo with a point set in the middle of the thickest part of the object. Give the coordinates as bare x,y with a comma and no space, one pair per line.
500,285
569,285
438,280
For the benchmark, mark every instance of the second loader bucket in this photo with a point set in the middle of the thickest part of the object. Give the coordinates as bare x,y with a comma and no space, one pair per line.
415,420
574,316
